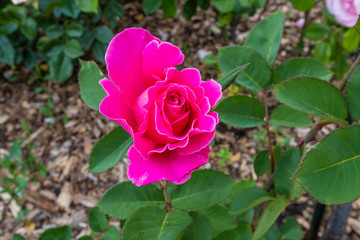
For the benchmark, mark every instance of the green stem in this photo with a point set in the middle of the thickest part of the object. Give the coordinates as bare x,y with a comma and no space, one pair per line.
348,73
268,134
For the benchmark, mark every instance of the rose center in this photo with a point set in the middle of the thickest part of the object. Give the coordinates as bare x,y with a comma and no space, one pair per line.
349,6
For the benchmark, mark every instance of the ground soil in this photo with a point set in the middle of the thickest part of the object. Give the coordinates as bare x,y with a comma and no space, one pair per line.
68,191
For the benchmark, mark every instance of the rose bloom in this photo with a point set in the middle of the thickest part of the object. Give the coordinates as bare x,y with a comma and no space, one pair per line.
346,12
166,111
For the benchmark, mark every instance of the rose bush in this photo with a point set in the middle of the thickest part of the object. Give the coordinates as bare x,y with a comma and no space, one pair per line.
166,111
346,12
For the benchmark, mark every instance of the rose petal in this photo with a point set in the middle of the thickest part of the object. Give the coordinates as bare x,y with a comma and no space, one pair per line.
157,57
124,60
212,91
116,108
164,166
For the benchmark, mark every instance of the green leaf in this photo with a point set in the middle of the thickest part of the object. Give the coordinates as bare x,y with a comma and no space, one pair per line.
200,229
74,30
270,214
9,28
285,169
170,8
114,9
18,237
99,50
228,78
353,96
59,233
60,67
351,40
69,8
243,231
204,189
103,34
322,52
291,229
124,198
286,116
316,31
29,28
97,220
303,5
111,234
7,51
204,4
256,76
189,9
91,91
88,6
265,36
247,199
340,66
246,3
261,163
329,172
72,49
30,58
241,111
108,151
296,67
150,6
224,6
313,96
54,31
220,219
86,238
272,234
153,223
86,40
239,186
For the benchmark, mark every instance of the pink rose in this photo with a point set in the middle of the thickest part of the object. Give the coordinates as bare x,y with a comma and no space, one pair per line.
166,111
346,12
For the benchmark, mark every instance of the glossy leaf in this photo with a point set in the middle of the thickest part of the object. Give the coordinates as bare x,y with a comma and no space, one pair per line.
313,96
241,185
150,6
329,171
7,51
86,238
108,151
97,220
261,163
103,34
59,233
99,50
61,67
29,28
189,9
204,189
241,111
91,91
291,229
121,200
247,199
285,169
286,116
266,36
270,214
256,76
230,77
88,6
322,52
18,237
170,8
220,219
353,94
303,5
74,30
72,49
350,41
224,6
111,233
200,229
316,31
54,31
296,67
243,231
153,223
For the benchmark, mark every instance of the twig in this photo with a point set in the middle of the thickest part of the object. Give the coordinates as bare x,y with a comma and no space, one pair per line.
348,73
168,208
268,134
